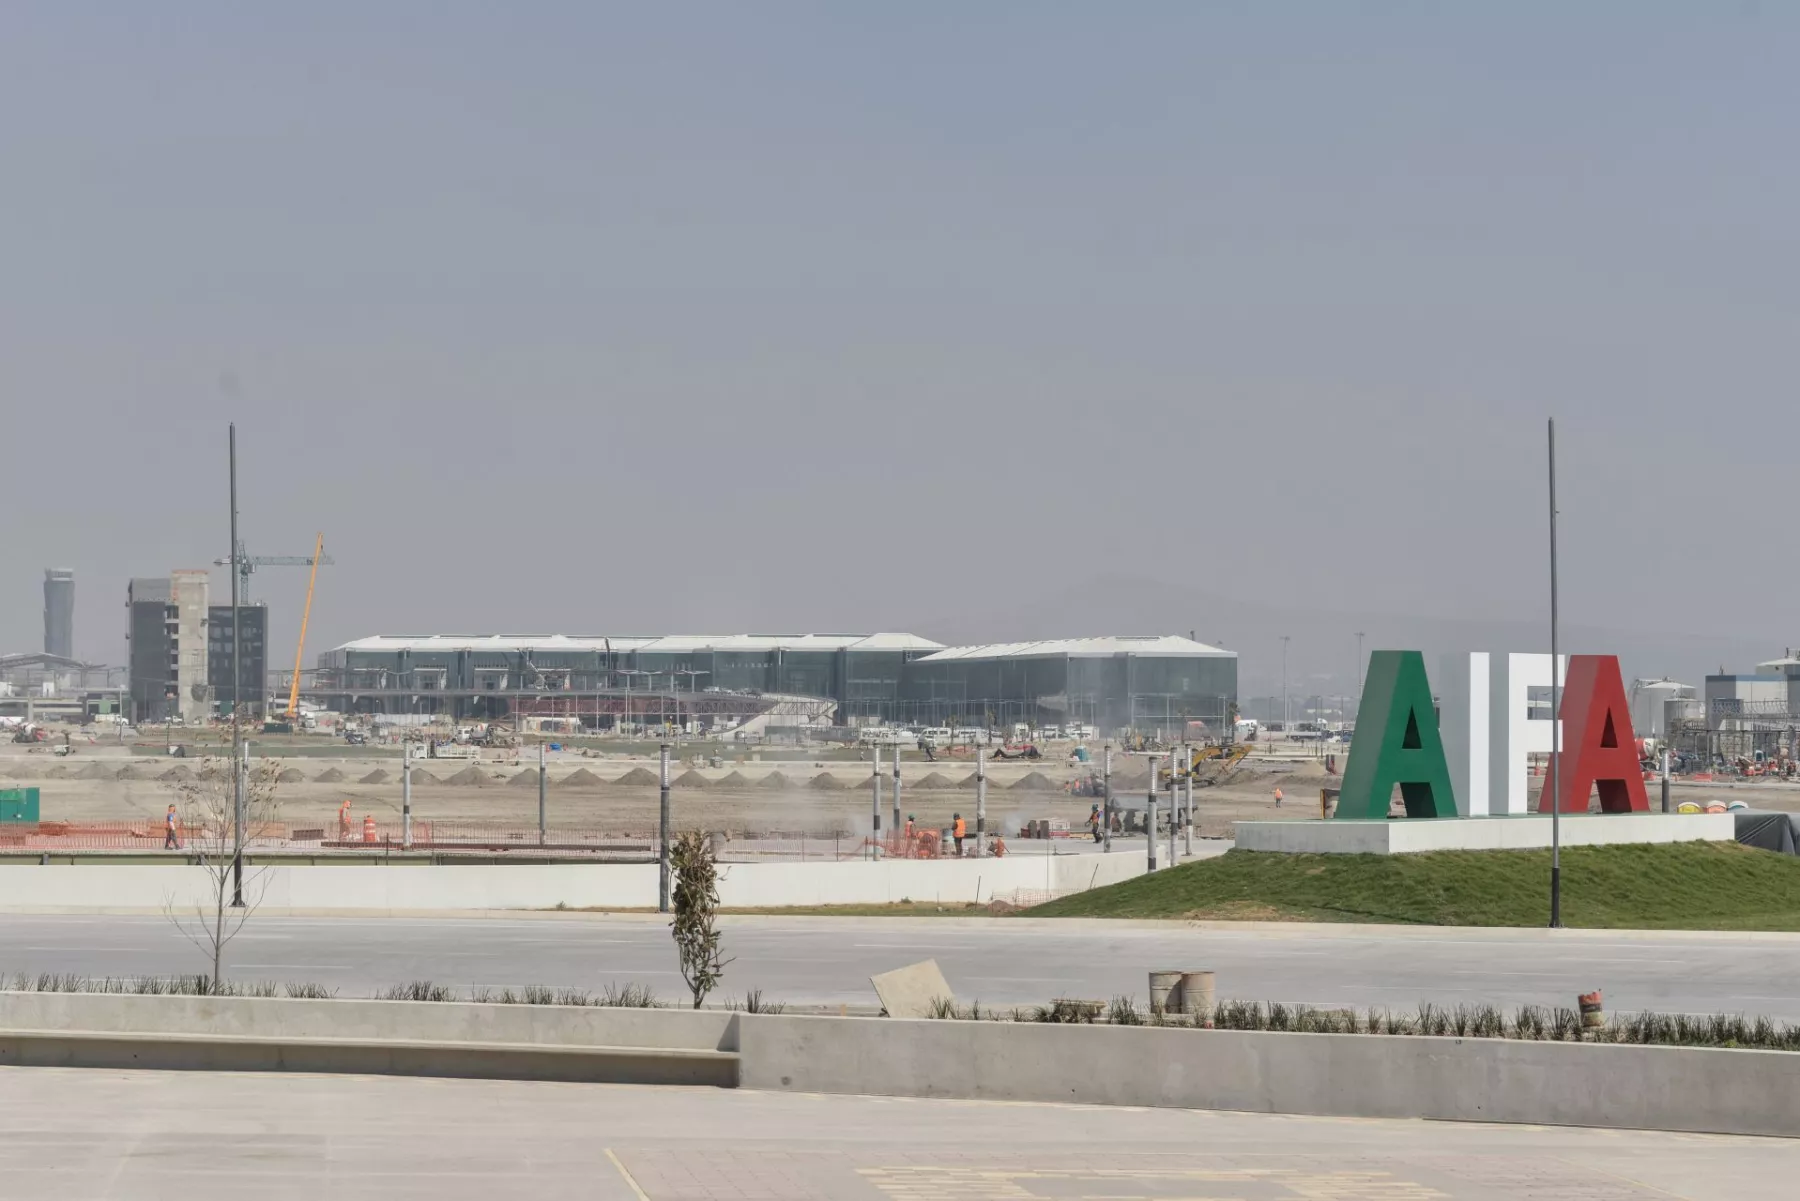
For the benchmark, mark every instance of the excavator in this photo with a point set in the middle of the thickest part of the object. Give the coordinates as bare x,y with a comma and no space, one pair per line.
1206,764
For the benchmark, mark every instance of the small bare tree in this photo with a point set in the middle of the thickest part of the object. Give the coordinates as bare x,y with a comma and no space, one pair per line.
695,901
214,834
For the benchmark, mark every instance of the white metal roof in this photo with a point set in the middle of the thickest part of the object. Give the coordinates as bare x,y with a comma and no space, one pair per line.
653,644
1167,645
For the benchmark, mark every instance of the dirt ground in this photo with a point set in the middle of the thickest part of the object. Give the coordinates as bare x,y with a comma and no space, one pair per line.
737,798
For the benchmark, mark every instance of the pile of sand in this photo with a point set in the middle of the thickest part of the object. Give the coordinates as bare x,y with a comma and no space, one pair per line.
178,772
934,780
330,775
525,779
378,776
419,777
971,778
93,771
826,782
1036,781
55,773
128,772
581,777
292,775
638,777
736,779
468,775
775,780
691,779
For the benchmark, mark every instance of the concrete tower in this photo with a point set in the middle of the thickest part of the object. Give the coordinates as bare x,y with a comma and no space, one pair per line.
59,612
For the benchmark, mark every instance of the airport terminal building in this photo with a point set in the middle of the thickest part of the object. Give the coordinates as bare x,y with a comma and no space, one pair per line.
1114,683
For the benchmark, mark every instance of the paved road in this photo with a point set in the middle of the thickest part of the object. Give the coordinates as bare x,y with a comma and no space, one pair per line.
203,1136
827,961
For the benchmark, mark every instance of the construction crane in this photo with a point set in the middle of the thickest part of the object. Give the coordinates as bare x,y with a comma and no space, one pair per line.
318,557
247,563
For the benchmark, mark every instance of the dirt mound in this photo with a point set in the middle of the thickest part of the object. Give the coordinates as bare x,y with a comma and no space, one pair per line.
469,775
56,773
969,782
330,775
935,780
178,772
775,780
525,779
128,772
93,771
736,779
378,776
419,777
1036,781
638,777
292,775
826,782
691,779
581,777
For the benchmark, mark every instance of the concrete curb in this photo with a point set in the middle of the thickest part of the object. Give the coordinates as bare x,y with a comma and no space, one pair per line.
484,1061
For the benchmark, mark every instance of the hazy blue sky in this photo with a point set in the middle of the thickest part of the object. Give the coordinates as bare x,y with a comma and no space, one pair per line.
586,317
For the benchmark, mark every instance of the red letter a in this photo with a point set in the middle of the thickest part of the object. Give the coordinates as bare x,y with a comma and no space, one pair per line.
1598,747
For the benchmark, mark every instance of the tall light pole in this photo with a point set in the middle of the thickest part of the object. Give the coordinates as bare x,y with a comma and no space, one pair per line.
1284,691
237,677
1555,714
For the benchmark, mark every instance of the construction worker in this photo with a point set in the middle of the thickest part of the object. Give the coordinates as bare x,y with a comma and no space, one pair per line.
171,831
958,831
1094,822
344,822
909,827
1278,797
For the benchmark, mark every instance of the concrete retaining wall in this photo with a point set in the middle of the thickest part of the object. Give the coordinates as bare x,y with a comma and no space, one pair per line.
399,888
1347,836
415,1021
1484,1080
1346,1075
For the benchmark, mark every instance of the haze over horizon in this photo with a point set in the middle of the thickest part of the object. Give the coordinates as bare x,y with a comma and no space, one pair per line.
1007,321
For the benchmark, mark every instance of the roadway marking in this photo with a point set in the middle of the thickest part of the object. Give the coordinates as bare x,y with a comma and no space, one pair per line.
638,1193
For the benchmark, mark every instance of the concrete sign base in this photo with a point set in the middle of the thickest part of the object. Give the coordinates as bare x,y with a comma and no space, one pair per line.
1501,833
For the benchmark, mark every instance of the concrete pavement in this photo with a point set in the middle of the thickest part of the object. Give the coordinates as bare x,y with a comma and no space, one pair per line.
827,961
204,1136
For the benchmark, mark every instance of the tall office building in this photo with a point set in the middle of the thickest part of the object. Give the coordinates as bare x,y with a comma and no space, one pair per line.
167,630
59,612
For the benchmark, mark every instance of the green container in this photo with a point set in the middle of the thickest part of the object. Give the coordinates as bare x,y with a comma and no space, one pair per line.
18,805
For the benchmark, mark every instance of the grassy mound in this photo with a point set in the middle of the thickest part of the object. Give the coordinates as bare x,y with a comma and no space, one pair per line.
1692,886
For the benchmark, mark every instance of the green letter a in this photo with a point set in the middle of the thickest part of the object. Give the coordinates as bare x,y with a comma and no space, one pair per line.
1396,742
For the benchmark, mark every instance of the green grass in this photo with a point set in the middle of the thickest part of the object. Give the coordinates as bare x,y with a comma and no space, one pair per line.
1692,886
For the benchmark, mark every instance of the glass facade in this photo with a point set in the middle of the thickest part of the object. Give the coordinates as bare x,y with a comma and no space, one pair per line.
1111,684
1117,692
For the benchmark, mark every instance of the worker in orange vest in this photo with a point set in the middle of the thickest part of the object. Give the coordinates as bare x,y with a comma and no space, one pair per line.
957,831
909,827
1278,798
171,831
344,822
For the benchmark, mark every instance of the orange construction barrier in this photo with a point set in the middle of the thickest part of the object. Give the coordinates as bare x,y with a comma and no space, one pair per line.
368,829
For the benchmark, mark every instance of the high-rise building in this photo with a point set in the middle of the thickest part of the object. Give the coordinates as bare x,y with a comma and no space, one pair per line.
150,631
59,612
252,658
189,590
167,630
